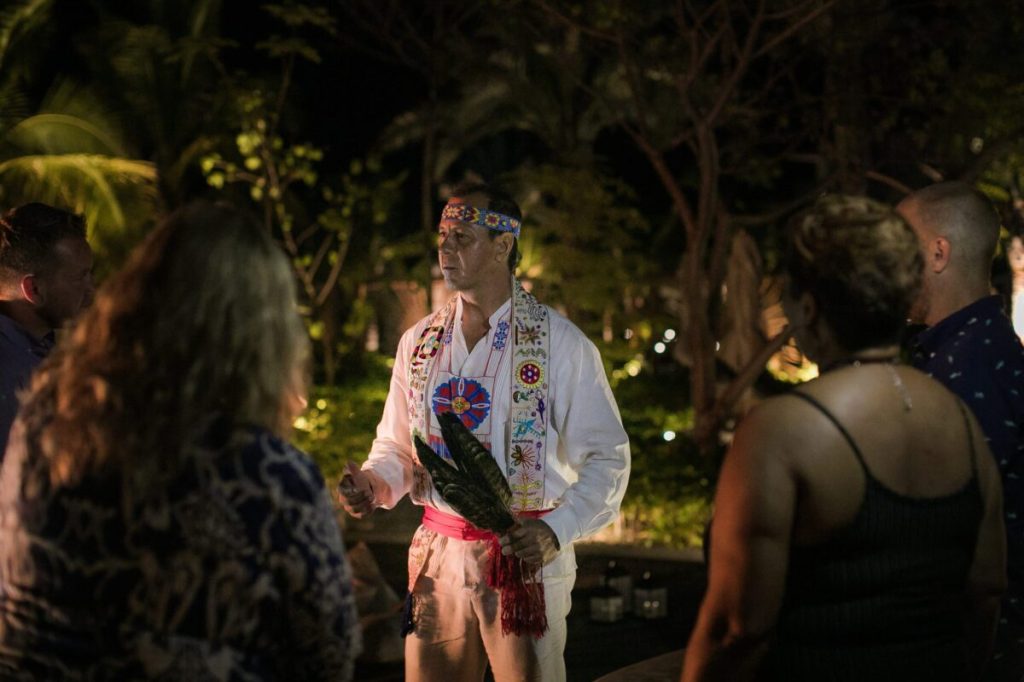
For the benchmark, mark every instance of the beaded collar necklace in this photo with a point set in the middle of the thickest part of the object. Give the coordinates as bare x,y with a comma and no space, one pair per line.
889,361
855,361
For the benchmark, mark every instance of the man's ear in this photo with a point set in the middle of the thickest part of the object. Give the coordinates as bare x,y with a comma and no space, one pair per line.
505,240
938,254
29,289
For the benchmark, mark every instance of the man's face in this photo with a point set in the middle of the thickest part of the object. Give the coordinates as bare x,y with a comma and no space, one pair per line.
919,308
469,257
66,287
1015,255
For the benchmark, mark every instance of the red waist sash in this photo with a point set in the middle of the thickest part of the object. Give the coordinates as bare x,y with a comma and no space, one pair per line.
453,526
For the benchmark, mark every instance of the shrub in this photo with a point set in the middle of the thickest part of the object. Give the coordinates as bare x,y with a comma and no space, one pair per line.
341,421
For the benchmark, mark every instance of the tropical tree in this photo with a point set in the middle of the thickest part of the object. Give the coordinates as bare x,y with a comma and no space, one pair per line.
947,107
319,225
159,66
432,40
693,85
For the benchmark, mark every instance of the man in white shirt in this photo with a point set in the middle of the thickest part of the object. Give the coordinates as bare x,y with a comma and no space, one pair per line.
532,388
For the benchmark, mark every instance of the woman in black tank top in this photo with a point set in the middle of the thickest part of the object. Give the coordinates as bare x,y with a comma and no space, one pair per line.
858,533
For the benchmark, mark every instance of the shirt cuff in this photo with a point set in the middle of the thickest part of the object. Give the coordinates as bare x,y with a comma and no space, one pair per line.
563,522
381,490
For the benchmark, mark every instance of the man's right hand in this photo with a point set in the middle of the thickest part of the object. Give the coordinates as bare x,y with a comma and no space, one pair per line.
355,491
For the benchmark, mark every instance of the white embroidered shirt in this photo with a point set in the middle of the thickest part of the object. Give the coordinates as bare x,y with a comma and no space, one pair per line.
588,456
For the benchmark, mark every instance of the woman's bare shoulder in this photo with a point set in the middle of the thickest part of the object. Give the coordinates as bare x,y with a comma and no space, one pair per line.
785,423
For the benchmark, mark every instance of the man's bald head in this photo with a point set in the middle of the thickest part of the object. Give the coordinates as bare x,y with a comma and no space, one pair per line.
958,230
961,214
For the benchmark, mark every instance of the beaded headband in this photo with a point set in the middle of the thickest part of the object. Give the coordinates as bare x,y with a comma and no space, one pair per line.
492,220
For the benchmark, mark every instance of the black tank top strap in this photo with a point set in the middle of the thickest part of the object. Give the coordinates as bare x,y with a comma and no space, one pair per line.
842,429
970,437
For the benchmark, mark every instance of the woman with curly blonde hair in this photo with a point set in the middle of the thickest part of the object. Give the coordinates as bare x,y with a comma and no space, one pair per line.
858,531
154,522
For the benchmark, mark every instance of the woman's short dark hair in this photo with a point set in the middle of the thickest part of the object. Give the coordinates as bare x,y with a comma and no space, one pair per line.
862,264
499,201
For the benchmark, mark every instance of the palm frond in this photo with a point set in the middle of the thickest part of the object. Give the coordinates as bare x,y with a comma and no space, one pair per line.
202,35
56,133
483,111
17,20
14,106
111,192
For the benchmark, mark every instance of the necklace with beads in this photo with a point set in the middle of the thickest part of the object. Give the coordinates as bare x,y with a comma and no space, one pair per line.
889,362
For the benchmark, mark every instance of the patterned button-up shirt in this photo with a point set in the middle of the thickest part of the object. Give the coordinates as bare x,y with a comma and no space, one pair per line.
977,355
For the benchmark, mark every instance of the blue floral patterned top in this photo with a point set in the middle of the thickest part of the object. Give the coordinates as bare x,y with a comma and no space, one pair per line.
233,571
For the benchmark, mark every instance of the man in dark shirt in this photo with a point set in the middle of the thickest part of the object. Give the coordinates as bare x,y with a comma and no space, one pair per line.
970,346
45,279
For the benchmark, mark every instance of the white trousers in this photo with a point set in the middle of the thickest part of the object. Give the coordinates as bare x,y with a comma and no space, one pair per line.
458,620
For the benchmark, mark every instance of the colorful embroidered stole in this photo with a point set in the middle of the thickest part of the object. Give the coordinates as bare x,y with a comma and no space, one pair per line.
529,418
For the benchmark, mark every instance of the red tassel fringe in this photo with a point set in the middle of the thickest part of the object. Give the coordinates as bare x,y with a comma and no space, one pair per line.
523,611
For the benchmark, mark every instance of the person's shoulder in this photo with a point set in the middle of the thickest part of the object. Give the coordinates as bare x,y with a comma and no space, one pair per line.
778,413
556,318
411,334
284,471
9,329
990,348
417,329
778,431
982,323
565,330
15,356
991,329
801,419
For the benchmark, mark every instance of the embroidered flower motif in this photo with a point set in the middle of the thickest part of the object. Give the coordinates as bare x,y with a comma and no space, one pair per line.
523,456
529,373
466,398
481,216
429,345
528,335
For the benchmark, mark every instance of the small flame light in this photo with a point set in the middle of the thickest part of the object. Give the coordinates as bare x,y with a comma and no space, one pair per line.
650,598
606,605
619,579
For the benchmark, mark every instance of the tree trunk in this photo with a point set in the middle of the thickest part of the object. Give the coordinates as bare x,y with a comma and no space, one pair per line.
700,347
